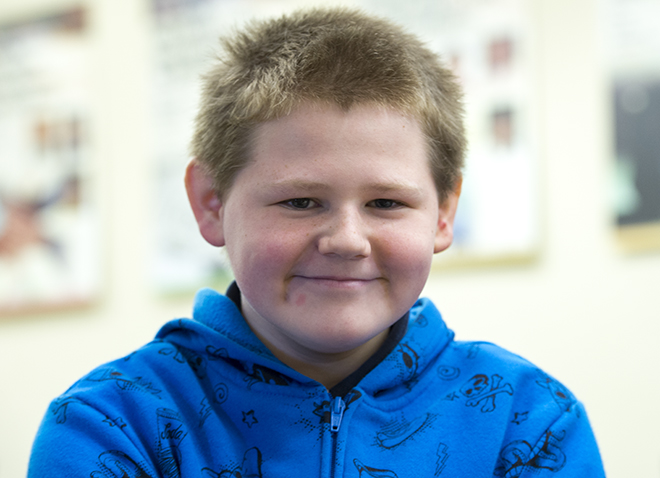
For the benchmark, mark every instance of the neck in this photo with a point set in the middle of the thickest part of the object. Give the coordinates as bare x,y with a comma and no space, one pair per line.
329,369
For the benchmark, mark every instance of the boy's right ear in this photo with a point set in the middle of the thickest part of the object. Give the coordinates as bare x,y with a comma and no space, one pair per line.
205,203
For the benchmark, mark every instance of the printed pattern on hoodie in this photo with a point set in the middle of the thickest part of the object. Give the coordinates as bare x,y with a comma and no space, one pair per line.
207,399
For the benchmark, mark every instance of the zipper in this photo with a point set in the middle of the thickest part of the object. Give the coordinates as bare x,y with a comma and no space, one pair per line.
337,408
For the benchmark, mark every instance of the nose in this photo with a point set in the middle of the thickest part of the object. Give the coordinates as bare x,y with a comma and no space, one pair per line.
345,235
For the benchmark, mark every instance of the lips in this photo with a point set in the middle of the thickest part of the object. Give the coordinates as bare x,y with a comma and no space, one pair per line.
341,282
339,278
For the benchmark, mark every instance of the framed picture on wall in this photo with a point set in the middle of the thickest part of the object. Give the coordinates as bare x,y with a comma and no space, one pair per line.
631,46
48,243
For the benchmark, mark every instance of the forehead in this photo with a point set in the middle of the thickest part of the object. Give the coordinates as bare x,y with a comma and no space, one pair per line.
318,129
320,144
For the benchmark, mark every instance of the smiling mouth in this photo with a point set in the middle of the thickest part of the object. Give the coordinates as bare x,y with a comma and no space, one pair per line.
338,282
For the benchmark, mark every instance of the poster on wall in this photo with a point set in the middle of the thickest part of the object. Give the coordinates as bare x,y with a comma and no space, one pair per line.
48,256
631,46
486,44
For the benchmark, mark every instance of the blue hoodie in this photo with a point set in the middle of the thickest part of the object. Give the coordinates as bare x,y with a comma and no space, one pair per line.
207,399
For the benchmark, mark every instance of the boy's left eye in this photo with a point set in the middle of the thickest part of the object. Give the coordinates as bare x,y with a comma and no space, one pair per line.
385,203
299,203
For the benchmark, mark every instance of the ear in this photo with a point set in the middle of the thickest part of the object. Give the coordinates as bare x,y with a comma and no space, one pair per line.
446,213
205,203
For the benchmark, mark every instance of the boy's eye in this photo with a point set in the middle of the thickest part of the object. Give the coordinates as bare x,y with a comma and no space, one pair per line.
299,203
385,203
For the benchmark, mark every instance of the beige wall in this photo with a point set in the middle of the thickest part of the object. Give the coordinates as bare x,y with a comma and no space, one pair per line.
585,312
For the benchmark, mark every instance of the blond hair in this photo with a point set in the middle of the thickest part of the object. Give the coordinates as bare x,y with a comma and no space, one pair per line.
338,56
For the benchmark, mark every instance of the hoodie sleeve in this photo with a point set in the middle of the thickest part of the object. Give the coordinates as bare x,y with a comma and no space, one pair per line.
566,449
77,440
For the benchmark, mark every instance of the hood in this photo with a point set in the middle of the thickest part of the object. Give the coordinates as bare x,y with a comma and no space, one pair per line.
218,331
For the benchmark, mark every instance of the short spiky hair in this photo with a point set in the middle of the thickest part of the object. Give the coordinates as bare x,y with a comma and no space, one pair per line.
337,56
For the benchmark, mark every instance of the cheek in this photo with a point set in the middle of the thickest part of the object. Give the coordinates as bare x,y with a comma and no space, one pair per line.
408,257
407,245
261,255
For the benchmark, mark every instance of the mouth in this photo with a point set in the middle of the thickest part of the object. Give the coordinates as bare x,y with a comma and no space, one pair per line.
340,282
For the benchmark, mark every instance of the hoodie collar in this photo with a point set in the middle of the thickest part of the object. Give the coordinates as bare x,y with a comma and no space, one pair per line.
414,341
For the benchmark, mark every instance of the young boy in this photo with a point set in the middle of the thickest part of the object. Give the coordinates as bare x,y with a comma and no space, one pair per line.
328,154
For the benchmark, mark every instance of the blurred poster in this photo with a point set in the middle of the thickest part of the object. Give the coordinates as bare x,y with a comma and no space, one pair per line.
48,255
485,42
184,33
632,48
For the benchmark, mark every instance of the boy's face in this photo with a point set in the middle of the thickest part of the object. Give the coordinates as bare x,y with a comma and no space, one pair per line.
331,228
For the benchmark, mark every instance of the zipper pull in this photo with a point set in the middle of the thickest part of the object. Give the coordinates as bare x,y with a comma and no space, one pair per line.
337,408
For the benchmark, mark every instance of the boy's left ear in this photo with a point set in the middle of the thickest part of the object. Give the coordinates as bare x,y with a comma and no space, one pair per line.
205,203
446,213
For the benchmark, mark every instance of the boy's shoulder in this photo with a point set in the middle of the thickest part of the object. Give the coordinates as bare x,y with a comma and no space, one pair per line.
489,366
428,328
138,374
470,371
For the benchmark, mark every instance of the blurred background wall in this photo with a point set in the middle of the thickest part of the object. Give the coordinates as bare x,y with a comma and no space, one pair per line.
582,307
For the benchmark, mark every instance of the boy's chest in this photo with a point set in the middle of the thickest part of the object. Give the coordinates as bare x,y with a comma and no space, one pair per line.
266,435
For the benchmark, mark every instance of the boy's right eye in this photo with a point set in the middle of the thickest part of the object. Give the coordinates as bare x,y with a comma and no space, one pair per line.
299,203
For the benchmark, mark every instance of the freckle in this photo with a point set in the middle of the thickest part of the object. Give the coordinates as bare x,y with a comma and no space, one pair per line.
301,299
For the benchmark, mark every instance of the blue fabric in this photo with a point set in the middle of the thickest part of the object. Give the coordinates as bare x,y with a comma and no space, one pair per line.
207,399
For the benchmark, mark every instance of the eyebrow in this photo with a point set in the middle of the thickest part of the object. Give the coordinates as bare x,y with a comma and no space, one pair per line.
298,185
380,187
